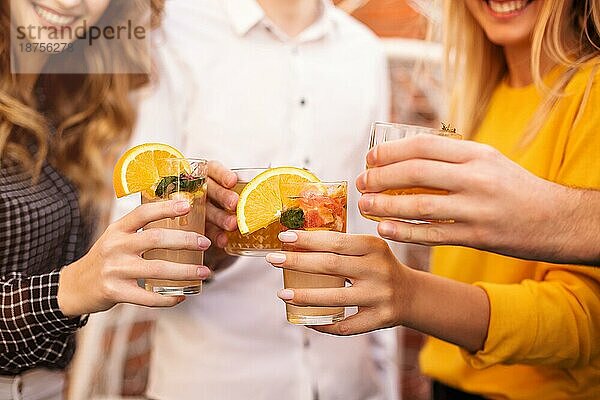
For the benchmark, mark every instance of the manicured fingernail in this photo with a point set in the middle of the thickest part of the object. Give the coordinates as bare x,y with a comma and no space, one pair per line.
276,258
288,237
180,299
203,242
182,206
285,294
386,229
203,272
361,181
366,202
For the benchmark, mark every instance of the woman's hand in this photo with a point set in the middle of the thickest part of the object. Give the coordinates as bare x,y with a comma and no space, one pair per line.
379,280
495,203
386,292
108,273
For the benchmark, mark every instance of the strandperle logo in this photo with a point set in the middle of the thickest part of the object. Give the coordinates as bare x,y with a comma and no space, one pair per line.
82,32
80,37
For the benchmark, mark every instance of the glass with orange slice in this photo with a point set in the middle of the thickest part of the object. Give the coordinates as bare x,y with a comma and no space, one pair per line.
160,172
278,199
259,208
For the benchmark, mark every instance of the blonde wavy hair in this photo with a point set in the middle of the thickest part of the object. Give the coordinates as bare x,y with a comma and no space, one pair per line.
86,118
567,32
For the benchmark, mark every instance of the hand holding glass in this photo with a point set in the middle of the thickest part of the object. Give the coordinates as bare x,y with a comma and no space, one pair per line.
382,132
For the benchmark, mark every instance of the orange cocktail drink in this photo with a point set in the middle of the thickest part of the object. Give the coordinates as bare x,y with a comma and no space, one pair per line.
311,207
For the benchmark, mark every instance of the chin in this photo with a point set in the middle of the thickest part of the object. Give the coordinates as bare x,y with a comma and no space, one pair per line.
510,38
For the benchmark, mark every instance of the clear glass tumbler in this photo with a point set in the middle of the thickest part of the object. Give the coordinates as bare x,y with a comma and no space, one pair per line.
185,180
382,132
312,207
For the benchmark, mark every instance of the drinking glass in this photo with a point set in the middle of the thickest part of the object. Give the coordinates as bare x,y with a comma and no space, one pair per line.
312,207
382,132
261,242
185,179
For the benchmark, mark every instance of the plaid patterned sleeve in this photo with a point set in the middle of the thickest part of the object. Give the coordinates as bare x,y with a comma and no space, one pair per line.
41,229
33,330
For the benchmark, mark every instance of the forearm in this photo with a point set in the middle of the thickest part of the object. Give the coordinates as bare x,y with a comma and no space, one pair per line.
580,227
449,310
563,227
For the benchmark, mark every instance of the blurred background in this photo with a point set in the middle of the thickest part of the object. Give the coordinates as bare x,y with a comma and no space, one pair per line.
116,346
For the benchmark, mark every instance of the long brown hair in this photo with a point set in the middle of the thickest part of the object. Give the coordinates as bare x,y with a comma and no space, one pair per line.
567,31
86,118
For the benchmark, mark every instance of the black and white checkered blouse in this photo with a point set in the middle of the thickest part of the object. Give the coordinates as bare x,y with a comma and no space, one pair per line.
41,230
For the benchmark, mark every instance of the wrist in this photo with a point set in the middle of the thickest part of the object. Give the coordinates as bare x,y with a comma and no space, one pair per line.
411,289
67,300
571,210
581,226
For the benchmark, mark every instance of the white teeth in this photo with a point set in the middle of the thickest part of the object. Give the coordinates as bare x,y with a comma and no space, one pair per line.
53,18
507,7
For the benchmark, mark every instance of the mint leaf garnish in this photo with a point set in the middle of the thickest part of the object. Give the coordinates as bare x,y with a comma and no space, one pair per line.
292,218
163,189
182,183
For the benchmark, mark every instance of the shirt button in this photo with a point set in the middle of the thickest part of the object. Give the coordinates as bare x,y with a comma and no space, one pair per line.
306,342
306,162
303,102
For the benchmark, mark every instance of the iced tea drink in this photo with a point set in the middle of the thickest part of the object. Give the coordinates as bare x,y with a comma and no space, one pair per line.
186,181
258,243
382,132
312,207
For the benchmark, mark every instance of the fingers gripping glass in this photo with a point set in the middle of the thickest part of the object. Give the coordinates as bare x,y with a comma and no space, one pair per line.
382,132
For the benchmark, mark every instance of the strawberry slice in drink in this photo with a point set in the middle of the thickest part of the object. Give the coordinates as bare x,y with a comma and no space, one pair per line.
313,220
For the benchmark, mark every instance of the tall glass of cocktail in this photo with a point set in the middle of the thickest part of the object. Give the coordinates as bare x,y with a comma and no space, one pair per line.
182,179
312,207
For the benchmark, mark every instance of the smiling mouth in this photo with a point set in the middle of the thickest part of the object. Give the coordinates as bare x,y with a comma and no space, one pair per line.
504,8
54,18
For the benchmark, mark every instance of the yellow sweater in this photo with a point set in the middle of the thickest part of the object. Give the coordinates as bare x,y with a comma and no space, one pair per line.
544,333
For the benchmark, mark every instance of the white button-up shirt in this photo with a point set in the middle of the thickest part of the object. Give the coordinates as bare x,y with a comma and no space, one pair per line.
236,89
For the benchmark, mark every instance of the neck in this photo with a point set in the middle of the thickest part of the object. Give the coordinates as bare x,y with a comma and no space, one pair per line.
291,16
518,60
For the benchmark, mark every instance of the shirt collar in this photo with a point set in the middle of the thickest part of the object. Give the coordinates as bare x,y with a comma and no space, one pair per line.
243,14
246,14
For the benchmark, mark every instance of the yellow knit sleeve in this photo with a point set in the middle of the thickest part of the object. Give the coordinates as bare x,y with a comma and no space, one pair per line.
553,319
553,322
